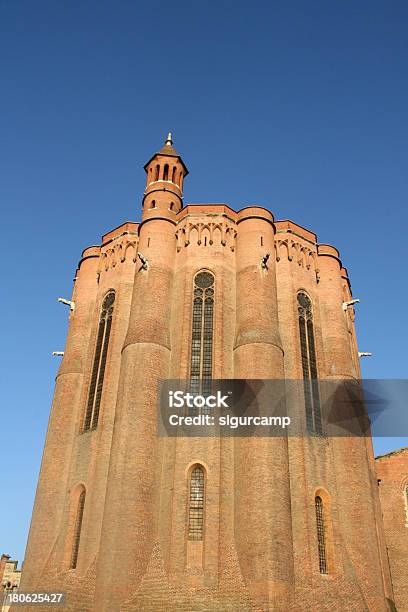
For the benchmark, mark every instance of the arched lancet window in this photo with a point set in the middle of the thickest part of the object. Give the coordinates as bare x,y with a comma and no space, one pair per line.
166,172
173,174
156,176
180,179
77,530
309,364
406,503
196,504
153,204
321,535
202,333
99,364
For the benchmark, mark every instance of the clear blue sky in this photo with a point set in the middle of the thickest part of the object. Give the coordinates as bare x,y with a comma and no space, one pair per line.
298,106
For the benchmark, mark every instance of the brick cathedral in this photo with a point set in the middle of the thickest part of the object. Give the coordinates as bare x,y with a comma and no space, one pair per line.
127,521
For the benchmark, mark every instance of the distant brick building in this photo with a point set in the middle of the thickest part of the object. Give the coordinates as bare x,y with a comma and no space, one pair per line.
124,520
9,578
392,474
9,574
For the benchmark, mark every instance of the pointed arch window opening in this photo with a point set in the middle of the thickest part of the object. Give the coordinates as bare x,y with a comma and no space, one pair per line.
202,336
99,364
77,530
196,504
309,365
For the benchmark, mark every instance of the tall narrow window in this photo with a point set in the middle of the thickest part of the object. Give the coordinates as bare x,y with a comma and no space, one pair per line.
173,174
166,172
321,535
77,530
202,333
156,176
99,364
196,504
406,503
309,364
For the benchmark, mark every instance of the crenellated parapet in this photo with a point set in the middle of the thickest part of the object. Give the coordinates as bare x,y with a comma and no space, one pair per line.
118,246
297,252
296,244
118,252
204,231
215,225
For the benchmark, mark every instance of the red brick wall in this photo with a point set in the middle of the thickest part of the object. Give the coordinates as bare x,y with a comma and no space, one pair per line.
392,473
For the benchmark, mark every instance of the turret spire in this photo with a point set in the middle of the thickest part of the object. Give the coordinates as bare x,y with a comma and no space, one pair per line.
165,171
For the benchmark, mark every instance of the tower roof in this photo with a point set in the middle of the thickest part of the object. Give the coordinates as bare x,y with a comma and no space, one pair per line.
169,151
167,148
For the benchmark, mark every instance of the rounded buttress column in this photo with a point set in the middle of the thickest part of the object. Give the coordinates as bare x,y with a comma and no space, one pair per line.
130,521
262,501
353,461
62,425
336,346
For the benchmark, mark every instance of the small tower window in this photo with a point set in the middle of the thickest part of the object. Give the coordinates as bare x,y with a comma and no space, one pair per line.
153,204
156,176
77,530
196,504
99,364
309,364
173,174
180,179
321,535
171,207
166,172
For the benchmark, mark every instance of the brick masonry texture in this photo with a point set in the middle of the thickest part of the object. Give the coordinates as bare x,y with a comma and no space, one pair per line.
259,550
392,474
